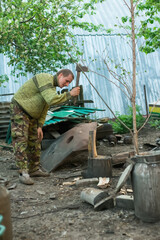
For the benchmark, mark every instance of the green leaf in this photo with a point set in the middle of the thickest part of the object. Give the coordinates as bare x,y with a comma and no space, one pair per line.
124,19
37,35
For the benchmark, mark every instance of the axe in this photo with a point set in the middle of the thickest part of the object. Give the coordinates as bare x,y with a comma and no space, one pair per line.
79,69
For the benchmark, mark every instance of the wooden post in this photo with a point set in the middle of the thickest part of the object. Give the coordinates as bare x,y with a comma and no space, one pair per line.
146,104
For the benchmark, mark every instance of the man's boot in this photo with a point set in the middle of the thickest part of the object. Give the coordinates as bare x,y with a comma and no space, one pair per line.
25,178
39,173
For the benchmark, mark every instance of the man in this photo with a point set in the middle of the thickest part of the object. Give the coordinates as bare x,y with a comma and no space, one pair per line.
29,108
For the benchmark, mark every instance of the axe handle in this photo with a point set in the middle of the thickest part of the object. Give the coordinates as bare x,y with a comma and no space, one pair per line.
77,79
77,83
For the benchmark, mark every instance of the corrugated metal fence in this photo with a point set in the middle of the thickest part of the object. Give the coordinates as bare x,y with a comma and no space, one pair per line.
148,72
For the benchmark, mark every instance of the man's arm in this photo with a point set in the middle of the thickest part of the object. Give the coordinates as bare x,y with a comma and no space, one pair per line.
40,134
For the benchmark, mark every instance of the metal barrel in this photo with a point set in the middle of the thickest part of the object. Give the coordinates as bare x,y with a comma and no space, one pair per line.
145,182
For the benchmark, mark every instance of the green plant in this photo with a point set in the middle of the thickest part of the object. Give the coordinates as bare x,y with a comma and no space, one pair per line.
154,123
38,35
3,78
127,120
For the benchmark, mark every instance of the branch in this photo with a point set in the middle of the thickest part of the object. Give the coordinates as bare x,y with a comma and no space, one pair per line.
107,104
111,82
148,116
102,98
127,5
27,20
112,73
119,76
136,3
120,25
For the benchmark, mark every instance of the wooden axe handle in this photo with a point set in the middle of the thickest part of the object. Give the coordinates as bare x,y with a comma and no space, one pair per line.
77,79
77,83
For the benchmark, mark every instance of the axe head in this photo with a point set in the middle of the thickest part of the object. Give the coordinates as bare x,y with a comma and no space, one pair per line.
80,68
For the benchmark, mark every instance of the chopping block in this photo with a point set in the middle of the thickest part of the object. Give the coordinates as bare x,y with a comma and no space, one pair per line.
98,165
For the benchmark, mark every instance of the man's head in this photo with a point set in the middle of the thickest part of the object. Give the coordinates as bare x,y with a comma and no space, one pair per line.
65,77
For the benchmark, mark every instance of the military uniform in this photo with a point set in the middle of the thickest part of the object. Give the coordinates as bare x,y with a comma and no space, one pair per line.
29,107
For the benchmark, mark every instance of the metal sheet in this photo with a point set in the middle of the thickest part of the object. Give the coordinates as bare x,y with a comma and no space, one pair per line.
75,139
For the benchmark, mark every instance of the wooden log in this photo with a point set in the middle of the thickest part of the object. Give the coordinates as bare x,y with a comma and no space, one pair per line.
101,166
85,182
121,157
98,166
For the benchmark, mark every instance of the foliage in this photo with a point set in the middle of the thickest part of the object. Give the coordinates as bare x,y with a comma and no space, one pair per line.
36,35
127,120
3,78
150,29
149,15
154,123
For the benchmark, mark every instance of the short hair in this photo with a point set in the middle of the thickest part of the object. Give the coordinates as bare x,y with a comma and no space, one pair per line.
65,72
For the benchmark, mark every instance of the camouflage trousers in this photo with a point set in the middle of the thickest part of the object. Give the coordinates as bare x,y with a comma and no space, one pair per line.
25,142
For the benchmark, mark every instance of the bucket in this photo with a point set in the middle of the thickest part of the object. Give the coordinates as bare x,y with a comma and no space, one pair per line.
145,182
5,211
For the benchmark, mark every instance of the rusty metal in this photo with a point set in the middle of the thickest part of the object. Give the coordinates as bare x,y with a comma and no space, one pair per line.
75,139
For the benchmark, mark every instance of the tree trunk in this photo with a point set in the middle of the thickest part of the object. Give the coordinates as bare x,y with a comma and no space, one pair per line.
135,133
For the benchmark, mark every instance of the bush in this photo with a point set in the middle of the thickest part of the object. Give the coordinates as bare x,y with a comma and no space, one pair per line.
127,120
154,123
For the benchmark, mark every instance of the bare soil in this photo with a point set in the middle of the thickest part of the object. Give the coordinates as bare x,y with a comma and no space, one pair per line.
51,209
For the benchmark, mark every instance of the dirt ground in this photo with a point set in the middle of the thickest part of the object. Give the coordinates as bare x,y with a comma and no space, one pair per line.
51,209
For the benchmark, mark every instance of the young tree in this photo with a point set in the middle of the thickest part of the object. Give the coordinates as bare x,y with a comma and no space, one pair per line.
123,77
35,34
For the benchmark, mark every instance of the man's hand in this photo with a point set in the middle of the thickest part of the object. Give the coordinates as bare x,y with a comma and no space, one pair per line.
75,91
40,134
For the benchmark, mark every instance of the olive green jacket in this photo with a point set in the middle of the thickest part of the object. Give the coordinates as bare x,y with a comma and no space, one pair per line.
37,94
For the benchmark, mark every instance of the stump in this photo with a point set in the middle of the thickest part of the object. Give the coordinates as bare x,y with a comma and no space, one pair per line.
98,166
